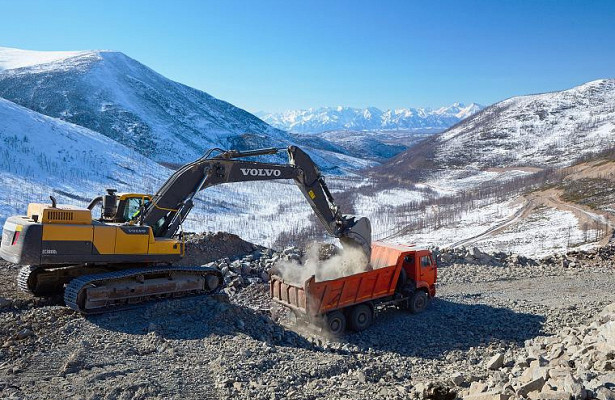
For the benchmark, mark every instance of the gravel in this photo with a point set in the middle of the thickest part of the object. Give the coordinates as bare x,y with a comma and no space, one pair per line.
477,339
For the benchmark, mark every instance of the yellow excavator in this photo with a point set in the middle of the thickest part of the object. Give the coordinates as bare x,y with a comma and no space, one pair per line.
125,256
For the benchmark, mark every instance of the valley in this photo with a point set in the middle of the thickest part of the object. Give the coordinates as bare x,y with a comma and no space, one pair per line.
333,200
515,200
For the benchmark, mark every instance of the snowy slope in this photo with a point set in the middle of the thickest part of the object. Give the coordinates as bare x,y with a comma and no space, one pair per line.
550,129
128,102
17,58
506,141
42,156
371,118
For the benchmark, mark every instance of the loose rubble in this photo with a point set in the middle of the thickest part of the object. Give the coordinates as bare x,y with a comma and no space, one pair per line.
490,324
576,363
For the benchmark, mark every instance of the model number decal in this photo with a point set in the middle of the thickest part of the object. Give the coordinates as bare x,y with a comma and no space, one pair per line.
50,251
135,230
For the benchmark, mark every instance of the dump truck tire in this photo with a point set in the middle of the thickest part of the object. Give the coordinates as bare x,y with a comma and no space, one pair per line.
418,302
361,317
335,322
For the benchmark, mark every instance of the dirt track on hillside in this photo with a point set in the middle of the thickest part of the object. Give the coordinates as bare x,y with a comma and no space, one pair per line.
550,198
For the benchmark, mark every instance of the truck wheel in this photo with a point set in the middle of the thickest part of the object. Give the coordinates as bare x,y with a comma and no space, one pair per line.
361,317
418,302
336,323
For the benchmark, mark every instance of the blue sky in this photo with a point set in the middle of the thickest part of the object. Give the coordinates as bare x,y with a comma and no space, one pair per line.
276,55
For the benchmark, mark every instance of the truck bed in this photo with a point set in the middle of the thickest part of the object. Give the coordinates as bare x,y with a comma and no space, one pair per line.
316,298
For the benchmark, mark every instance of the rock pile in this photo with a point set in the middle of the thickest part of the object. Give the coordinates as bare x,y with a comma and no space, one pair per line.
599,257
462,255
205,247
576,363
252,268
461,265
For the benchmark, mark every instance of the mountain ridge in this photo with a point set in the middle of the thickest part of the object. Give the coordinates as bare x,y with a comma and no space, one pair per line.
542,130
316,120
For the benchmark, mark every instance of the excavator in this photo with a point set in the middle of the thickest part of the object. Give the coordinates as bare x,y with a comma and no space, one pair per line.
125,256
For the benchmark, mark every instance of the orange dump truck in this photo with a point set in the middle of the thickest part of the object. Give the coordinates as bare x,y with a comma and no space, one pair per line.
400,275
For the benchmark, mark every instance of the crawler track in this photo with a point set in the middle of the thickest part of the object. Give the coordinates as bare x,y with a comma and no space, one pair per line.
23,278
100,293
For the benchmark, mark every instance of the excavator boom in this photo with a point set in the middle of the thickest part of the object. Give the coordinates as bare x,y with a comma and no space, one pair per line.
172,203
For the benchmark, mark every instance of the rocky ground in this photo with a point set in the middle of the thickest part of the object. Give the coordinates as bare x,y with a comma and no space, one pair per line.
502,326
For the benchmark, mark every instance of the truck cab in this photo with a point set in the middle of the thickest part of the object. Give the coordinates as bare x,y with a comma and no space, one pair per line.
420,270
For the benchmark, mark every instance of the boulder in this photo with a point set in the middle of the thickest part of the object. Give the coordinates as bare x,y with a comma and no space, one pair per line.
496,362
532,386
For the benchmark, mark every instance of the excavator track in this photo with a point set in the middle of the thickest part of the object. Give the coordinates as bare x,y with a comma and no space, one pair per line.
111,291
24,281
29,280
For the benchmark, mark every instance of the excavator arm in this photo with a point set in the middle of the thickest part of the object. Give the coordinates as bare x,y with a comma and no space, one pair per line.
174,200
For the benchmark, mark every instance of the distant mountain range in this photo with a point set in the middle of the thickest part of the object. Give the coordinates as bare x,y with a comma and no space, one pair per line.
369,119
543,130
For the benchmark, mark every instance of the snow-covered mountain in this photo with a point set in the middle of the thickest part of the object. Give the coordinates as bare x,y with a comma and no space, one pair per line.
542,130
128,102
369,119
123,99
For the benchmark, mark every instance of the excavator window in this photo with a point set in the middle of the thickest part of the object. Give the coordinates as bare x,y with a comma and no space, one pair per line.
132,207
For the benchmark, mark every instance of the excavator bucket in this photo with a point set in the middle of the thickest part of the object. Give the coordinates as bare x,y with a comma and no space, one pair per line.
359,235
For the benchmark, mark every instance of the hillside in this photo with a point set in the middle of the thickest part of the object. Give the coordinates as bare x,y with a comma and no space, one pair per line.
543,130
315,120
113,94
42,156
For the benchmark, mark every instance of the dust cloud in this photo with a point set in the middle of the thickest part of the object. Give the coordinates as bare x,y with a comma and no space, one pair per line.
345,262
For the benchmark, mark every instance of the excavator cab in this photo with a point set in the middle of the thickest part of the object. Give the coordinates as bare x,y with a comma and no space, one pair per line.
120,207
130,205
